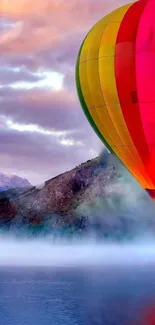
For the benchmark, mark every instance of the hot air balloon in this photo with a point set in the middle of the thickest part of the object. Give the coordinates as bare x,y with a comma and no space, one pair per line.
115,79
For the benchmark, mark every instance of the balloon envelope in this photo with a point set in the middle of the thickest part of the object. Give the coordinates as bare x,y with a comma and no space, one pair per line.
115,78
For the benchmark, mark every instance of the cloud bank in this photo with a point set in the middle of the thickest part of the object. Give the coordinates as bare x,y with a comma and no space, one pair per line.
39,43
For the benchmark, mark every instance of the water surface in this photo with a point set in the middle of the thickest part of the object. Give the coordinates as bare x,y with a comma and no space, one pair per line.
119,295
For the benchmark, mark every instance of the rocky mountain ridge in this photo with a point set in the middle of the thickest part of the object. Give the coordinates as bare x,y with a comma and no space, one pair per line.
96,197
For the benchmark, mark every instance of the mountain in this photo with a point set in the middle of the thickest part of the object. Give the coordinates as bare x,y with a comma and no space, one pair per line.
12,181
98,198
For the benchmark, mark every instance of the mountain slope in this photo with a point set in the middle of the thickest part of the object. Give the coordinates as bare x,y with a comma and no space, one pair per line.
98,197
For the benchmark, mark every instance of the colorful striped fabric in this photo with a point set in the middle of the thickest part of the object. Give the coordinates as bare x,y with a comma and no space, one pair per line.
115,77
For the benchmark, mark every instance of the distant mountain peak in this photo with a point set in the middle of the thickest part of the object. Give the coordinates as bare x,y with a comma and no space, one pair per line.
12,181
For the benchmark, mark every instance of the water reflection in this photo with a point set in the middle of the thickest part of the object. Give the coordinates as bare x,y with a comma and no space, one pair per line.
148,313
121,297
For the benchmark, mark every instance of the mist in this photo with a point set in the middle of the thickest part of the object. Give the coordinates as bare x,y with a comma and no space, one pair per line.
44,252
126,197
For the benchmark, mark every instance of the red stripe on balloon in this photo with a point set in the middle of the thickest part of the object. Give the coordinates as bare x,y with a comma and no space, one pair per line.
125,72
145,72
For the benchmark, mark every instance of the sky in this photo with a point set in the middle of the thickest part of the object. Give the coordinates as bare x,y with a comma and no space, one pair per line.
43,130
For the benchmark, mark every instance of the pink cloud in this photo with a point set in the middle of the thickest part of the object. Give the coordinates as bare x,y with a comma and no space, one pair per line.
39,157
44,34
27,8
47,23
59,110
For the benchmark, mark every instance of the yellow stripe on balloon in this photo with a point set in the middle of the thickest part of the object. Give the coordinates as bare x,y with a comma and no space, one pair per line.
97,78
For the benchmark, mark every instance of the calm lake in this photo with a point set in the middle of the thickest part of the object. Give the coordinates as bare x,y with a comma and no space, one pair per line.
95,295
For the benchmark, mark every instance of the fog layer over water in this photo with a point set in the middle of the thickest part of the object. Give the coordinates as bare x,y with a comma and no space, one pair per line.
43,252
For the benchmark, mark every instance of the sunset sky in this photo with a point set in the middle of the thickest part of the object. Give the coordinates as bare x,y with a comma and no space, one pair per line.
43,130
